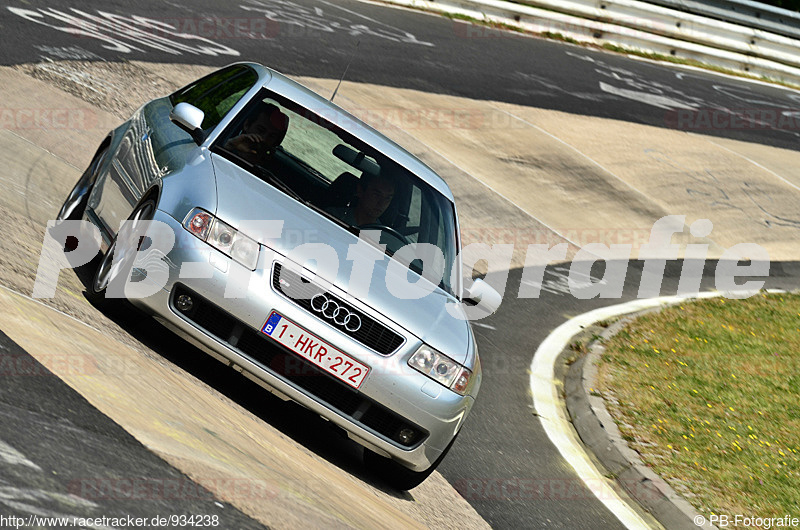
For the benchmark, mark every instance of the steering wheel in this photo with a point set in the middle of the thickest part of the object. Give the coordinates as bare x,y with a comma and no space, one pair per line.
392,231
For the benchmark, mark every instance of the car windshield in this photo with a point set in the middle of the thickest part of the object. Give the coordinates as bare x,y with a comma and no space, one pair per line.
318,163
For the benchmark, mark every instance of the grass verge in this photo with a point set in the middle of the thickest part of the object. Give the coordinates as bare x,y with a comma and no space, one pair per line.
692,62
709,394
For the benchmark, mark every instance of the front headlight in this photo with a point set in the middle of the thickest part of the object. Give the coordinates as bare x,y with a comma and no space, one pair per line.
223,237
245,251
441,368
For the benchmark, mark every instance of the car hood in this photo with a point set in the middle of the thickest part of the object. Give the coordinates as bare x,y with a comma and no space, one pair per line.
243,197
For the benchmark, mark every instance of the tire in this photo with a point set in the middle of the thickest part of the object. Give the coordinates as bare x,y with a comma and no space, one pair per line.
109,267
397,475
77,200
75,205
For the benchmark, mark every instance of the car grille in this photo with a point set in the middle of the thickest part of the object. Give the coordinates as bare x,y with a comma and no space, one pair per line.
372,333
295,370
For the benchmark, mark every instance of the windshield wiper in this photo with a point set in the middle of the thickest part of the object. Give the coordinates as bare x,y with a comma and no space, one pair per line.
350,228
234,156
262,172
273,179
300,161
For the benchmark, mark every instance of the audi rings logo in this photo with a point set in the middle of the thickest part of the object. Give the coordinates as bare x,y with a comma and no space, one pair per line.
339,314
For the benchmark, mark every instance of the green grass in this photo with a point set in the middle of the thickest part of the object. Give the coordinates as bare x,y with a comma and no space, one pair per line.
459,16
481,22
709,394
559,37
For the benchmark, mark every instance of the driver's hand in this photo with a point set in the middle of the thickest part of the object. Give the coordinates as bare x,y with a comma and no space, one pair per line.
246,143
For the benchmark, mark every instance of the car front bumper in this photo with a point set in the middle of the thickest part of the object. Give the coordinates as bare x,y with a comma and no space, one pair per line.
391,388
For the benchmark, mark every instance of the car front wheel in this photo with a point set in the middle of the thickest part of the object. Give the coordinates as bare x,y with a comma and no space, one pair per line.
75,205
120,254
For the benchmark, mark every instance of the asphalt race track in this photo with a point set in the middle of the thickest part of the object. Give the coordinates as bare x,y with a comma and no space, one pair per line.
88,444
396,48
566,97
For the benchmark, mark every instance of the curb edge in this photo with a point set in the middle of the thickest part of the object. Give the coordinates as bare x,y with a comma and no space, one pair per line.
601,436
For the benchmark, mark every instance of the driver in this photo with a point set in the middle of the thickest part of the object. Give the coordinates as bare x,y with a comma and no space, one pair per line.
373,195
262,132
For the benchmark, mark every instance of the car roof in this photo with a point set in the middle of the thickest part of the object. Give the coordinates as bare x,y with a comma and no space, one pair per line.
279,83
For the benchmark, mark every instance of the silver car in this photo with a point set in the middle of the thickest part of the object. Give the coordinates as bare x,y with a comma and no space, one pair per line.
310,253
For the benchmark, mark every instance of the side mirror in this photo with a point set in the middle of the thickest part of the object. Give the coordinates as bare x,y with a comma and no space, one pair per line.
189,118
484,294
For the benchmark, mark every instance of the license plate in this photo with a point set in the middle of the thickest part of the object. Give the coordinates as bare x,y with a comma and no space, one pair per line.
313,349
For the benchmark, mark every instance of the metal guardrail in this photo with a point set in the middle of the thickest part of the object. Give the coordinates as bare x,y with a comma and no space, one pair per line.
643,26
681,26
743,12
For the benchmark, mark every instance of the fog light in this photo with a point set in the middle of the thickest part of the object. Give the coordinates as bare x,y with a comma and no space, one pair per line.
184,302
405,436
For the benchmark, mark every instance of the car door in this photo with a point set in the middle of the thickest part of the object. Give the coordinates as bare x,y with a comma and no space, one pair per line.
152,146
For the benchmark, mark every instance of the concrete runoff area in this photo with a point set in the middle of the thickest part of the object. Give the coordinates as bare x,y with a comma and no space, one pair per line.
209,438
520,175
600,180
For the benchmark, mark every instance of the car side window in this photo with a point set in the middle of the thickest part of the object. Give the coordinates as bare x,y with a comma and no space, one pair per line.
217,93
